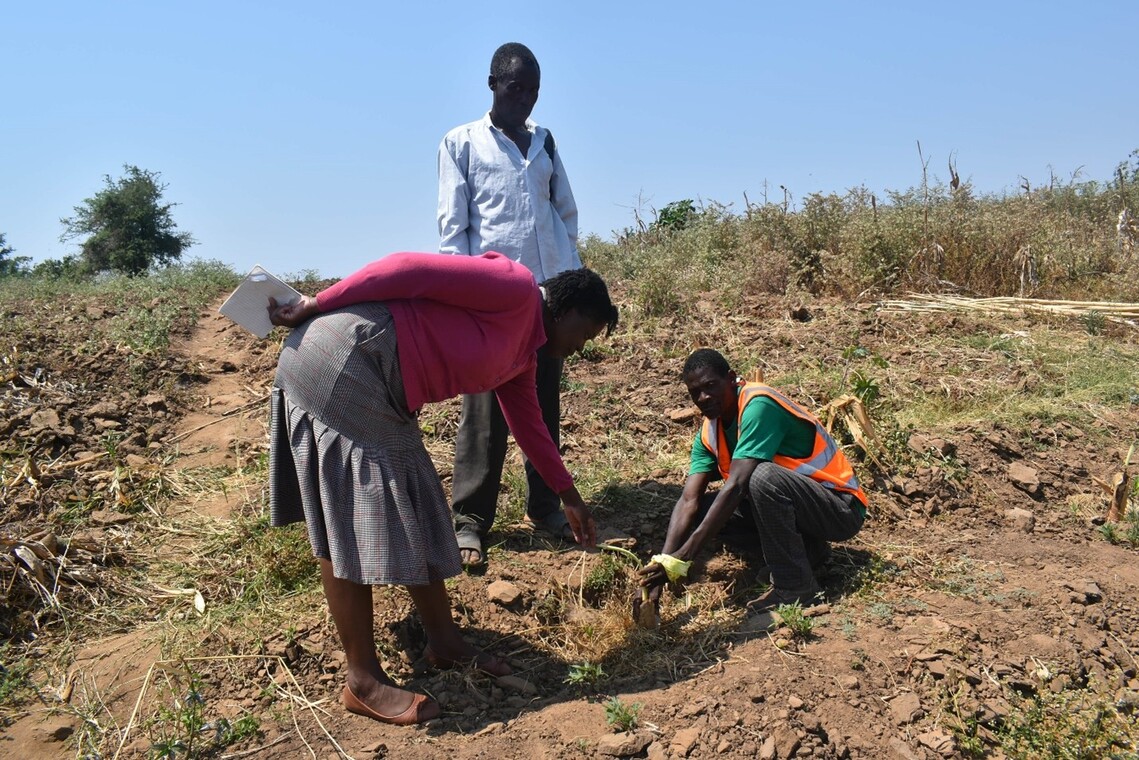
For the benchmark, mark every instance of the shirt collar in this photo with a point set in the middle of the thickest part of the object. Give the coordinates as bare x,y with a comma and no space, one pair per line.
530,124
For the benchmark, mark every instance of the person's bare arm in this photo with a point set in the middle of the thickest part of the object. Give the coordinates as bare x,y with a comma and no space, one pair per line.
726,502
680,525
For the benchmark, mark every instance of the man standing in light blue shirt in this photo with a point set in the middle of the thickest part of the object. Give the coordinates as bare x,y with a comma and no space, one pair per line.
502,187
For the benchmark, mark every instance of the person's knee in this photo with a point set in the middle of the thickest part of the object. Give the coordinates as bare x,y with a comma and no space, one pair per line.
764,483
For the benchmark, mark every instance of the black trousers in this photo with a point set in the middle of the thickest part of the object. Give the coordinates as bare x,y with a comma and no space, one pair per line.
480,450
790,519
792,512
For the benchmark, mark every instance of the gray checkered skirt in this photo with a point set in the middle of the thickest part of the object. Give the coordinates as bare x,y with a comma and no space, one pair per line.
347,457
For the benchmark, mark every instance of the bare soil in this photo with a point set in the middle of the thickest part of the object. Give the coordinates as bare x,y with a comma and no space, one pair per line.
981,575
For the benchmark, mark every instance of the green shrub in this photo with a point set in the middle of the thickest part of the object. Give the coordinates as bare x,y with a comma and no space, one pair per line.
1061,241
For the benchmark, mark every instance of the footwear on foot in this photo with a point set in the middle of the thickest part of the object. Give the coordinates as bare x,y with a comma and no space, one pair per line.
421,708
818,554
556,524
470,542
484,662
775,597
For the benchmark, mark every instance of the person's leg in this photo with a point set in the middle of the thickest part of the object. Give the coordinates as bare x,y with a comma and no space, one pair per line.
791,512
446,645
541,501
480,449
351,607
740,529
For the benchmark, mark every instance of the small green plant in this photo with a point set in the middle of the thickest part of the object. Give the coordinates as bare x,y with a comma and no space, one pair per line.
865,387
869,578
586,674
610,573
181,728
111,441
965,578
950,464
621,716
1110,532
1133,532
797,623
1094,322
1072,725
549,609
14,677
605,576
569,385
965,726
594,351
881,610
242,728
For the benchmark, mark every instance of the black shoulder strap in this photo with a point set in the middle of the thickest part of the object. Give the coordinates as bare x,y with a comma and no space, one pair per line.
550,147
550,144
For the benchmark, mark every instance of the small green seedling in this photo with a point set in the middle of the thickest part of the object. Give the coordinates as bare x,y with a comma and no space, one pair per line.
584,675
799,624
621,716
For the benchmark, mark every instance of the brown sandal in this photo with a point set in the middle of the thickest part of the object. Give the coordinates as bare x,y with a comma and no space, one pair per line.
485,663
421,708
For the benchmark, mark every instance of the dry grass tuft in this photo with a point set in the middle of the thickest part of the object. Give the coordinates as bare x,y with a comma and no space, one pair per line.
696,629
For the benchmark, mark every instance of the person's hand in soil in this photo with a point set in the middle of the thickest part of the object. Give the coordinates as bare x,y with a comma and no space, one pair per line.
580,518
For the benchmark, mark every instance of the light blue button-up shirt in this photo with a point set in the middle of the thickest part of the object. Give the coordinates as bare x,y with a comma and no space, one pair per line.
492,198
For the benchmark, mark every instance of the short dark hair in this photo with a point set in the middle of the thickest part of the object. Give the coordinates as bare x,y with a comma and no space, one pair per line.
502,58
584,290
706,357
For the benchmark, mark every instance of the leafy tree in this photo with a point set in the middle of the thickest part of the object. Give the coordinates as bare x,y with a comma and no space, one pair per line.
127,227
9,264
67,268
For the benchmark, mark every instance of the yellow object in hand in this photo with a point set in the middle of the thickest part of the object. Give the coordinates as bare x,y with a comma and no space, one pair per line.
674,568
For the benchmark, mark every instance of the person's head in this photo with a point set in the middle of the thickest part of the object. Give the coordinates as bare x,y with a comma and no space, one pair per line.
711,383
514,79
577,310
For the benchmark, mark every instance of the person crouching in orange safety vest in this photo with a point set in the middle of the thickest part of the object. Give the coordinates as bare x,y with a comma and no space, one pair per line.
785,480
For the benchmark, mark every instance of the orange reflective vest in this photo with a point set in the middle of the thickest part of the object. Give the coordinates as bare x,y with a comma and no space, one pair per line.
826,464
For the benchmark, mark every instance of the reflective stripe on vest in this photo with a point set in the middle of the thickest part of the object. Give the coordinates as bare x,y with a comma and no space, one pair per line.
827,464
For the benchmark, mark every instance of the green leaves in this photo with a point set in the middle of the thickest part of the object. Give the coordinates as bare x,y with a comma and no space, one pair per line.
126,226
621,716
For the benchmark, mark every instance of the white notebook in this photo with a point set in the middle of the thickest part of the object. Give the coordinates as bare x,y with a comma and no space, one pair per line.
248,305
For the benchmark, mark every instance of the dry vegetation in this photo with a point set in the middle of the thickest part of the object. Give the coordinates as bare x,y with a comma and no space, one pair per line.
987,609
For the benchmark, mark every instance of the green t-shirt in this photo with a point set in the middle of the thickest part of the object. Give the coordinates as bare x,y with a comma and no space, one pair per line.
766,429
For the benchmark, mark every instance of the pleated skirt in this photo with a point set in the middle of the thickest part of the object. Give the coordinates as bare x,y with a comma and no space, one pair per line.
347,456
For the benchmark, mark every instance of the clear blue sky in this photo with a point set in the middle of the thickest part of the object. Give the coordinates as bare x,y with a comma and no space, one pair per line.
303,136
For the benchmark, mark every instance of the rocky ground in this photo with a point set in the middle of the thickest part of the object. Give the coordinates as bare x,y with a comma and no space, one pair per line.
981,587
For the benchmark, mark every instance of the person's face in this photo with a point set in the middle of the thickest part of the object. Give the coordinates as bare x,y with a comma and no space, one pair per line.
515,93
711,392
570,333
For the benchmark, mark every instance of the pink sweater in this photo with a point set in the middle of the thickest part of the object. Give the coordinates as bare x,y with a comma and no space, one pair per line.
464,324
